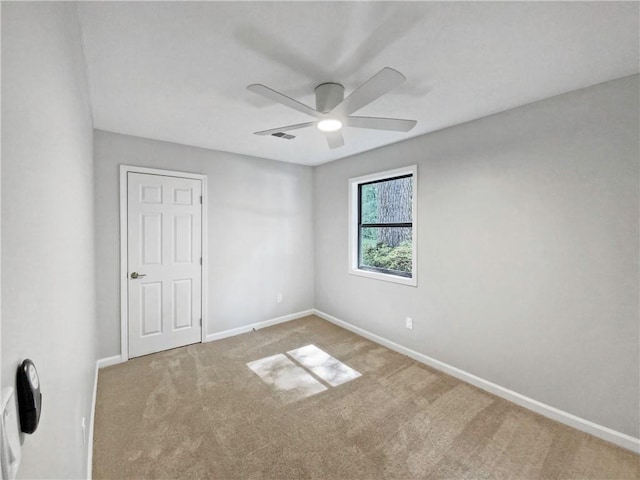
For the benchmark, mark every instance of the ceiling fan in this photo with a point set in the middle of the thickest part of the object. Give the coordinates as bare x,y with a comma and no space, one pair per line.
333,111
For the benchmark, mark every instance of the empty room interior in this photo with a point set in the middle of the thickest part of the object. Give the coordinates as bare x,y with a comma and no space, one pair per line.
329,240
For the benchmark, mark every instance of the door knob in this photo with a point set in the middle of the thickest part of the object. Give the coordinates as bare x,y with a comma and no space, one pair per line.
137,275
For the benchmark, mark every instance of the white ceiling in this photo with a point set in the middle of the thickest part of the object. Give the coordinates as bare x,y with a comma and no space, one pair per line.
178,71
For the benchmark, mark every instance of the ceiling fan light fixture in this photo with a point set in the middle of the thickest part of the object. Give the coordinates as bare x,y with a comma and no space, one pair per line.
329,125
333,110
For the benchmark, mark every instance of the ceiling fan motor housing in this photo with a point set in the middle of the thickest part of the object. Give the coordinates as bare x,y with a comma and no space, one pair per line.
328,96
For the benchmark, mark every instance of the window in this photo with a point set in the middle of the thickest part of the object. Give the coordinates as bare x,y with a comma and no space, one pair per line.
382,225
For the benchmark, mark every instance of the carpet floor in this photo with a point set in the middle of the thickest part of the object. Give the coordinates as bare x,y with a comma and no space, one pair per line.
346,408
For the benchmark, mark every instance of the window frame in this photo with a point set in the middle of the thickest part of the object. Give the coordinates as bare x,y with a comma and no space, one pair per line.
355,226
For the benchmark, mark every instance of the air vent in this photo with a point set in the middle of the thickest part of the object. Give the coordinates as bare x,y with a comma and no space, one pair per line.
286,136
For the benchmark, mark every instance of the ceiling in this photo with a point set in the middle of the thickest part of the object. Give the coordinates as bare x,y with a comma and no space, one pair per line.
178,71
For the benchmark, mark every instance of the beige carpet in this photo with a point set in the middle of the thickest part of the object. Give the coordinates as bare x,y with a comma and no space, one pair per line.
242,408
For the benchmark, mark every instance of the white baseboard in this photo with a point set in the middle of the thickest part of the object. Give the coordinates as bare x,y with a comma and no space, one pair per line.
108,361
92,416
257,326
621,439
100,363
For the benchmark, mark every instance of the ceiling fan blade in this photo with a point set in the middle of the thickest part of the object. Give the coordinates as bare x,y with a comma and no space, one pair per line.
382,82
283,99
379,123
285,129
335,139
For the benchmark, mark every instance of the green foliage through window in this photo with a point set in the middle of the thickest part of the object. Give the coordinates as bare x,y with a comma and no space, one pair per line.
383,256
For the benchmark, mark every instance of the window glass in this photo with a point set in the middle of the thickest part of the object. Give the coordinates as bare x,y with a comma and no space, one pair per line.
387,201
385,225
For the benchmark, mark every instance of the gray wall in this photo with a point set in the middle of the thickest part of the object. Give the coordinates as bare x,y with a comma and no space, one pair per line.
528,251
48,290
260,231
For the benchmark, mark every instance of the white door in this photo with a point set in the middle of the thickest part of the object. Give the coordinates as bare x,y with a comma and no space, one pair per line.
164,216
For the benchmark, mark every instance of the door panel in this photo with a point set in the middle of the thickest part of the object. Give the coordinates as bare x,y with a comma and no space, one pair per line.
151,314
151,224
164,220
182,295
182,228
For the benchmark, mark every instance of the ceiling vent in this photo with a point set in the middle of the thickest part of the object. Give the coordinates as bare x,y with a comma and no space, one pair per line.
286,136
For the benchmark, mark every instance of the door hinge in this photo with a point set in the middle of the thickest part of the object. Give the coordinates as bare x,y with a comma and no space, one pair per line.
200,198
200,322
200,260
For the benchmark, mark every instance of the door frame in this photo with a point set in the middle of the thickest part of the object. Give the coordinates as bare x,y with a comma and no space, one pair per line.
124,253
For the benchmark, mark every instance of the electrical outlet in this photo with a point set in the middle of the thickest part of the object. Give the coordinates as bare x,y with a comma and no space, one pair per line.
84,430
279,298
409,323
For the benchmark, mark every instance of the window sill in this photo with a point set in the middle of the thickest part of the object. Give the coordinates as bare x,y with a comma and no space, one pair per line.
386,277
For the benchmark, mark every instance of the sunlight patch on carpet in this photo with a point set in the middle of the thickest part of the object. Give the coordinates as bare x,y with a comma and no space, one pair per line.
323,365
292,381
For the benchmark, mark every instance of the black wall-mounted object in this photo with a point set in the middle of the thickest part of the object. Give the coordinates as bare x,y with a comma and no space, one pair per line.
29,396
